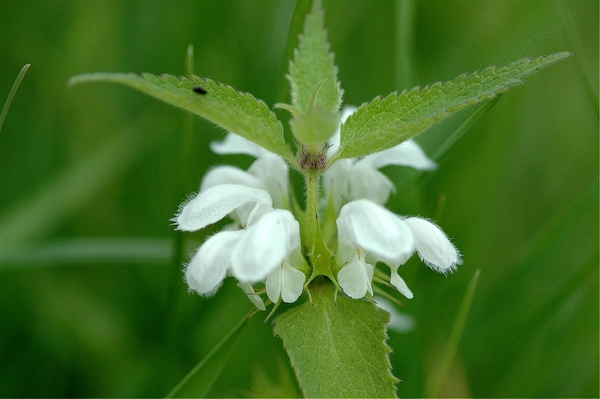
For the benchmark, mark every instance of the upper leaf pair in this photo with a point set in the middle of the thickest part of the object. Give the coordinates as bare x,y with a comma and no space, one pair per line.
316,97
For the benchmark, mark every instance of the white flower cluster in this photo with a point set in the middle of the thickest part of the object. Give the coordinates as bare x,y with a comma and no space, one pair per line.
263,244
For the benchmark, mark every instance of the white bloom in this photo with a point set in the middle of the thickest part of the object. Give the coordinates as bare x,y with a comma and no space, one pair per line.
264,245
214,204
433,246
351,179
269,171
367,230
229,175
208,268
270,241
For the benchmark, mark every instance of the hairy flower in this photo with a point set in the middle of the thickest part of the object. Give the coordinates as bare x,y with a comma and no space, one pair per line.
367,230
269,241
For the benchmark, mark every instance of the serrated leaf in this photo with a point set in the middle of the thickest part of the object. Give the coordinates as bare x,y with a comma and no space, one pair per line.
313,62
222,105
338,351
386,122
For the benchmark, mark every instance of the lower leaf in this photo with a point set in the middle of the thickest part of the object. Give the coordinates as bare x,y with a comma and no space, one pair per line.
338,349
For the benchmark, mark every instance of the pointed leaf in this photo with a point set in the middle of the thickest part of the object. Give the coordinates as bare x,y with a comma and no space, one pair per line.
338,351
313,62
386,122
226,107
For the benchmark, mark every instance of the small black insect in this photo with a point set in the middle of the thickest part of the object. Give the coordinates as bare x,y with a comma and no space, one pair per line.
199,90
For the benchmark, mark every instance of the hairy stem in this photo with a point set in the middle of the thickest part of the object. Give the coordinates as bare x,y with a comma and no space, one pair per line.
312,204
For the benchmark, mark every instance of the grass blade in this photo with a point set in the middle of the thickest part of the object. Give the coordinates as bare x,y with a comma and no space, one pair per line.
459,133
186,140
405,31
83,251
199,381
434,383
12,93
565,15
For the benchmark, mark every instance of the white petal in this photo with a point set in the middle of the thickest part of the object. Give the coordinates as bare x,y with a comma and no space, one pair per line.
335,182
234,144
398,321
229,175
434,248
292,283
208,267
355,278
215,203
264,246
254,297
400,284
376,230
285,281
272,170
334,141
366,182
408,153
273,285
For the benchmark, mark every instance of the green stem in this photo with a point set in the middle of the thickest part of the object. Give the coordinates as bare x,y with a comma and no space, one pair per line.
312,206
320,256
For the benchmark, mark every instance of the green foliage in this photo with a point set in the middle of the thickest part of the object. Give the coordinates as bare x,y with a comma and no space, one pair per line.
226,107
386,122
338,350
313,62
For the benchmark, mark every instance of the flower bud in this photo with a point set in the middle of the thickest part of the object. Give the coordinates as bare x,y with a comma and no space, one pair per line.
314,128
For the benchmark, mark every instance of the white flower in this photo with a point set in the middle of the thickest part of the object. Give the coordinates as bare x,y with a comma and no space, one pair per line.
351,179
269,242
269,171
367,230
433,246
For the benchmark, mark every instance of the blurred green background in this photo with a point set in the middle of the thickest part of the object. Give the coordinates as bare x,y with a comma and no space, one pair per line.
91,302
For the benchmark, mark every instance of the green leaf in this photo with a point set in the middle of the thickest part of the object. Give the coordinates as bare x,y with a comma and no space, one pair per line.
338,351
386,122
313,62
202,377
224,106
